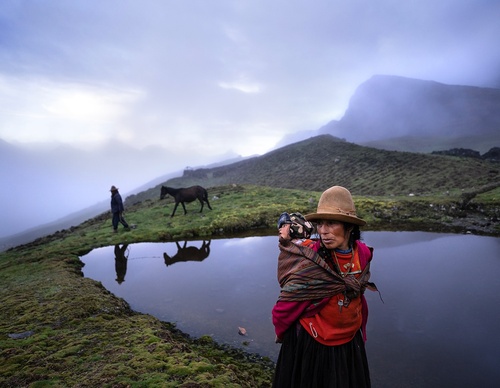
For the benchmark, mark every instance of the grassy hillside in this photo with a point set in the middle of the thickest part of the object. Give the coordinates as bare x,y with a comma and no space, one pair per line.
58,328
78,334
323,161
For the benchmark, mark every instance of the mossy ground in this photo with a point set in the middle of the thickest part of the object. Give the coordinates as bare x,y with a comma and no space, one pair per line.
80,335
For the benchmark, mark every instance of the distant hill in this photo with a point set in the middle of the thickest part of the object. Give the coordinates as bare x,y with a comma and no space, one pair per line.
428,144
405,114
75,218
42,183
313,164
322,161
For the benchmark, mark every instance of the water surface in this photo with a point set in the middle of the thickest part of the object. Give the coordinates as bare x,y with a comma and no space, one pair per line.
437,324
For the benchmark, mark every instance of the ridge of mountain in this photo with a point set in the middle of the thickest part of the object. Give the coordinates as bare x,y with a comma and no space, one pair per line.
407,106
428,144
323,161
386,111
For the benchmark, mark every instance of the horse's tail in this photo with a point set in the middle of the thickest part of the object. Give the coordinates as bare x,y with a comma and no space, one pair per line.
205,197
205,194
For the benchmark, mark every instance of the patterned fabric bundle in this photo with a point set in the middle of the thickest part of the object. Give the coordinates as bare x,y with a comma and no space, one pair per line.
304,275
299,226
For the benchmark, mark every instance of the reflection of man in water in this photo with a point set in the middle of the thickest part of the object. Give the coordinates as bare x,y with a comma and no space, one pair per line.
120,262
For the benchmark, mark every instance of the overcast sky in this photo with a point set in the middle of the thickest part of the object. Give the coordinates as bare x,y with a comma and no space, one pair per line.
202,81
232,76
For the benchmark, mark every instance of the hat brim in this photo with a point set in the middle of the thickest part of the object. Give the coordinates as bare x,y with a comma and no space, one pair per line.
336,217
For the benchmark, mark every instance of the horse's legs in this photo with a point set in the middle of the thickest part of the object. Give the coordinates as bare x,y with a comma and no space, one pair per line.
175,208
201,205
210,207
184,207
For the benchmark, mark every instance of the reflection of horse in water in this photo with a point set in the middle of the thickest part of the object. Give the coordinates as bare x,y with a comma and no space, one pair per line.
188,194
188,253
120,262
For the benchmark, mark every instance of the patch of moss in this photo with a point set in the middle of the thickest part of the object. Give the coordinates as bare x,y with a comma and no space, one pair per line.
82,335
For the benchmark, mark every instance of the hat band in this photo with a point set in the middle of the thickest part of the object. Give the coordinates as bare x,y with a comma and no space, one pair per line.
338,210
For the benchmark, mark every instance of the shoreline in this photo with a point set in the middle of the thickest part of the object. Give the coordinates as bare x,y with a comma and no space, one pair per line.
79,334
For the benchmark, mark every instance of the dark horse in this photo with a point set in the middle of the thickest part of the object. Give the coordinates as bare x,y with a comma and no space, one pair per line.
188,194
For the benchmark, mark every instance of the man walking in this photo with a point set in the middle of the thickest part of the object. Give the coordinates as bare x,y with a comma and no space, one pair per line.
117,209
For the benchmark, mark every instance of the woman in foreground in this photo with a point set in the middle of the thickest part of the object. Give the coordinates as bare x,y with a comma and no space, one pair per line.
321,313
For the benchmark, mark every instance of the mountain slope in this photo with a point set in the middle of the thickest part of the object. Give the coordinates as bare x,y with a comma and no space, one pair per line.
323,161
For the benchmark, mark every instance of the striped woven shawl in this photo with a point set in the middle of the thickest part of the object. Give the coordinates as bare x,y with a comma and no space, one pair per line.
304,275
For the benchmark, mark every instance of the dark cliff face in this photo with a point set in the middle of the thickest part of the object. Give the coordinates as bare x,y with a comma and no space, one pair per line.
492,155
461,152
390,106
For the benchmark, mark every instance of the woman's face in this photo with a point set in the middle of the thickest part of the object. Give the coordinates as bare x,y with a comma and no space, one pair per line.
333,234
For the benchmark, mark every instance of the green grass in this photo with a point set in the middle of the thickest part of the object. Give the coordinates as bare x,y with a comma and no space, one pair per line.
85,336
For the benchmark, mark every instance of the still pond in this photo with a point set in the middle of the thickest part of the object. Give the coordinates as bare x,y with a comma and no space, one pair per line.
437,325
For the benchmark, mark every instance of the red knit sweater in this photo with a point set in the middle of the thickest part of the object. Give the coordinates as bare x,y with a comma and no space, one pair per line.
286,313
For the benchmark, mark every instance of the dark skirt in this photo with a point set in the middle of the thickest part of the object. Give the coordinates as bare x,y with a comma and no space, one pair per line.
304,362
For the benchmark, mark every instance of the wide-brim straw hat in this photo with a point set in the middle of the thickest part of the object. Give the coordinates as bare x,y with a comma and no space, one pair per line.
336,204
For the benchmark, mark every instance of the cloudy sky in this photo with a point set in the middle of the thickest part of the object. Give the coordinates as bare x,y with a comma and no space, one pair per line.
229,75
216,78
